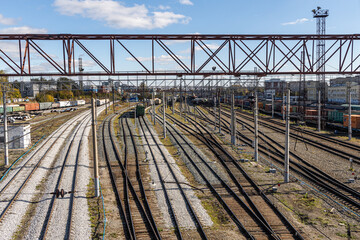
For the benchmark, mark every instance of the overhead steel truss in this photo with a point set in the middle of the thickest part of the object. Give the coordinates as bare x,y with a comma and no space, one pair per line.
233,55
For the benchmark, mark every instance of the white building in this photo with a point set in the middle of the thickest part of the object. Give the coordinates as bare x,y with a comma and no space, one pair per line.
338,93
18,136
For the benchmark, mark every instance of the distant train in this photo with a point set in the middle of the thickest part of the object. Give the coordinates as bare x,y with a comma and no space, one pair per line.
100,102
332,113
34,106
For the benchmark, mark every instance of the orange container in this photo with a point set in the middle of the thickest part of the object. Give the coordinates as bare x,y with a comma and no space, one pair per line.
31,106
355,121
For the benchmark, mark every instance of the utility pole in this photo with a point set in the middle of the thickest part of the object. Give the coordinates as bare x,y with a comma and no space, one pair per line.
185,103
233,122
287,138
164,109
106,107
153,107
283,107
174,92
214,99
220,111
349,127
272,105
6,151
319,111
113,90
135,116
181,97
95,149
256,142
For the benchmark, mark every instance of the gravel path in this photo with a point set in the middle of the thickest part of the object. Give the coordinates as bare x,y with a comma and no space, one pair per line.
176,198
33,202
10,222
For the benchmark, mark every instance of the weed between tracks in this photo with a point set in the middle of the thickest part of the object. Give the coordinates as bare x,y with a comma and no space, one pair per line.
22,229
210,204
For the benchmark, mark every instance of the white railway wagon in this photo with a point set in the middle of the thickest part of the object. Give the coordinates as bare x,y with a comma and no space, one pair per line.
80,102
64,103
100,102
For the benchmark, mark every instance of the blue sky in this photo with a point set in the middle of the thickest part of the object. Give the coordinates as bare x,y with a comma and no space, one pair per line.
173,16
177,16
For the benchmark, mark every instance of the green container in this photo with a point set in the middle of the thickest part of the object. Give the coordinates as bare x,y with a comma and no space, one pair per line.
335,116
19,109
8,110
140,110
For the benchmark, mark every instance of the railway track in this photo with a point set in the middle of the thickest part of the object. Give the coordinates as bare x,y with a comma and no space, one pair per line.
138,221
342,149
27,169
247,195
190,210
68,171
317,177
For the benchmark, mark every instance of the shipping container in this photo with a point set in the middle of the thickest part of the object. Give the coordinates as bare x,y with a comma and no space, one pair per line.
80,102
19,109
8,110
55,105
31,106
45,105
335,116
355,121
64,103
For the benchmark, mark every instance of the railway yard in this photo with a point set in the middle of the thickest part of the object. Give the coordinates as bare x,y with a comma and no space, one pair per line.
191,184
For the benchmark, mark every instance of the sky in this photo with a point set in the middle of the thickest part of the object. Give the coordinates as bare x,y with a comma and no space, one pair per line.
173,17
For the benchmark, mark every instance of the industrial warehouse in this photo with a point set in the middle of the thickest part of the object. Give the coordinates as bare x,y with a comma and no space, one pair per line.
131,120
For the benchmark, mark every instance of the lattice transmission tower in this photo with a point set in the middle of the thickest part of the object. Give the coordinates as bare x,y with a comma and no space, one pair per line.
320,15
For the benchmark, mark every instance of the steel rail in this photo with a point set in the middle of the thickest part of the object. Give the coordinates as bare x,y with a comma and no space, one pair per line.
167,198
211,187
3,213
50,210
261,218
119,203
304,171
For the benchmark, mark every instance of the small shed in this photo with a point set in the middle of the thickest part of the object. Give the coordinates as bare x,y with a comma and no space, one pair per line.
19,136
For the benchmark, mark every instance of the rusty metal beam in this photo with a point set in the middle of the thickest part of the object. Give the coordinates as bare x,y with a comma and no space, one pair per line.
271,54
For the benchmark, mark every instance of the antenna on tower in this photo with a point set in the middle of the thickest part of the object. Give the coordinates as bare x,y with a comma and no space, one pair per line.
81,69
321,15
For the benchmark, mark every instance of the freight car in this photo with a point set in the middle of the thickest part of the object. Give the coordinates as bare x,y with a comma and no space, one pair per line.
140,110
34,106
100,102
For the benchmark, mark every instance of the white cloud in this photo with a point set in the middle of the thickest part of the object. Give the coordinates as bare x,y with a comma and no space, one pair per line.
116,15
186,2
297,21
7,21
23,30
162,7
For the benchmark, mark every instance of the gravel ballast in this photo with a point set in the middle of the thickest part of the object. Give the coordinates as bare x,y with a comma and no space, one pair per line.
176,199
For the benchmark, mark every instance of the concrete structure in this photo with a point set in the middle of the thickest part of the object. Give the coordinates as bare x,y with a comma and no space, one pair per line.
32,88
19,136
274,86
337,93
312,90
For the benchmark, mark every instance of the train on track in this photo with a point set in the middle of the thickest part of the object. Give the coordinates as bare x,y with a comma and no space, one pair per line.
35,106
333,114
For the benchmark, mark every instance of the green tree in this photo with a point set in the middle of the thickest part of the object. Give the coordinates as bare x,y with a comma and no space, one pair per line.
42,97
